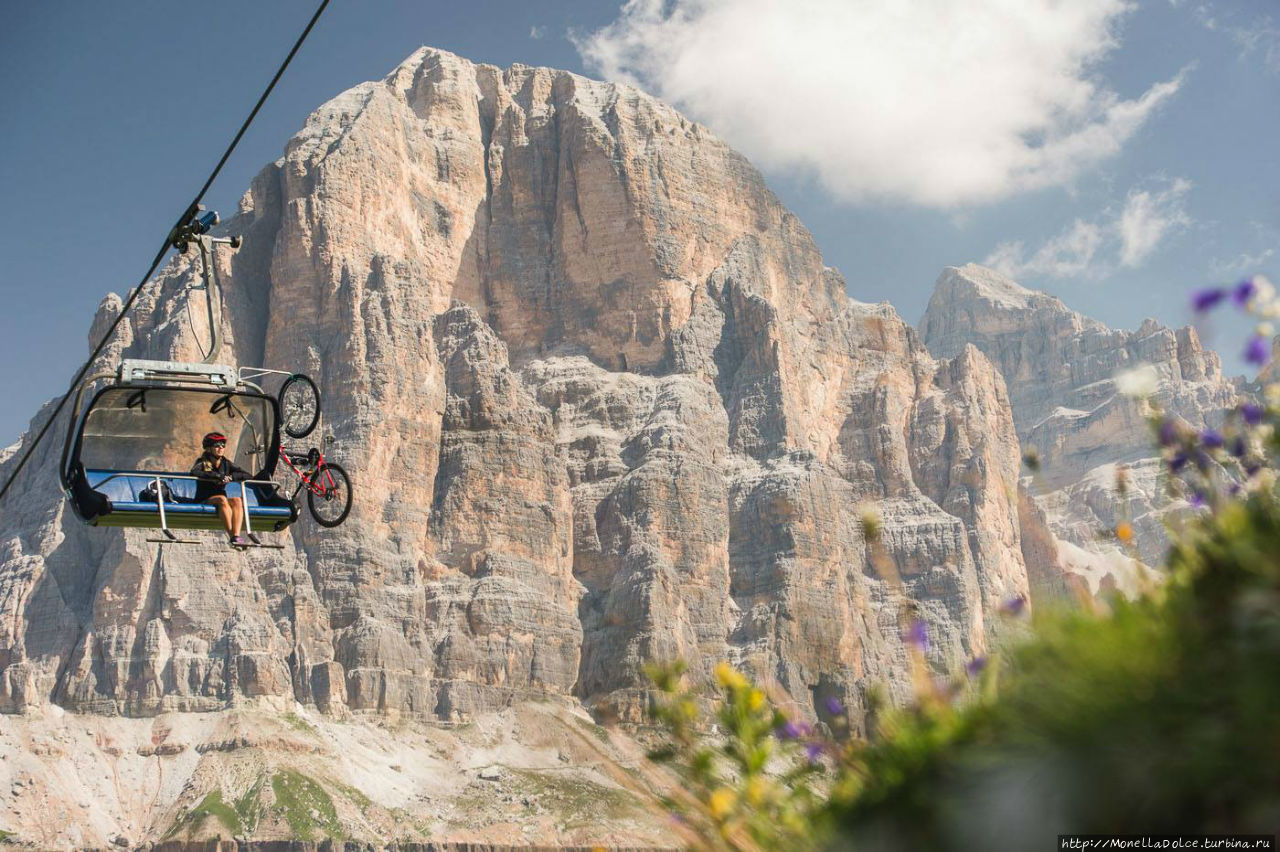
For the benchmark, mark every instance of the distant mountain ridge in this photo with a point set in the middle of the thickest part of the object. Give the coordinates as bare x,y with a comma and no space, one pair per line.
1060,368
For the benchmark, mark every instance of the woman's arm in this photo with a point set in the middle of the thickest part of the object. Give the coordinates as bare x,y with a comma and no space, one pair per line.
201,470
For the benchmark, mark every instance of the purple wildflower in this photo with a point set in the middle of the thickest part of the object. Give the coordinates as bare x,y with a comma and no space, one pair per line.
1178,462
1243,292
1257,350
1196,500
1251,413
1014,606
1234,489
1211,438
1238,447
1251,468
976,665
1168,432
834,707
917,636
814,751
788,730
1205,300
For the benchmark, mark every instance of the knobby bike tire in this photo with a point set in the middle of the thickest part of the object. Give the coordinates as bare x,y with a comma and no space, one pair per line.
299,406
332,507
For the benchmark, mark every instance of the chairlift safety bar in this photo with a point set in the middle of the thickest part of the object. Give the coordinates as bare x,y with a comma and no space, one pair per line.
156,480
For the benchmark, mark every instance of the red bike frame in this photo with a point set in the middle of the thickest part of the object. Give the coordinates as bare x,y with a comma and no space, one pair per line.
315,462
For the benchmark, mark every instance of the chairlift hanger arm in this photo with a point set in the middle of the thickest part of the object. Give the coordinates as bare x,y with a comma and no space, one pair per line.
227,403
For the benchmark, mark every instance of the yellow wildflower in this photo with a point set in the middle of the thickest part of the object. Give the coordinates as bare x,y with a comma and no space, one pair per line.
756,789
729,677
722,802
755,700
1124,531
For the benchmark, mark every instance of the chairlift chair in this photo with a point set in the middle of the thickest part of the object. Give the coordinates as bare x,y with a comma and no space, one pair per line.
127,455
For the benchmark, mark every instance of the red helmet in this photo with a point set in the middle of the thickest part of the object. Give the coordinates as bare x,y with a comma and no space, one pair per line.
214,438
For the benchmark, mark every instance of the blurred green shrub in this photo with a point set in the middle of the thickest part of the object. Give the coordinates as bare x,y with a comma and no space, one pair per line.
1160,716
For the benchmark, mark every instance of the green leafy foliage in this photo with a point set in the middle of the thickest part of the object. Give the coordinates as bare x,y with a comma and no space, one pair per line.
1159,715
747,787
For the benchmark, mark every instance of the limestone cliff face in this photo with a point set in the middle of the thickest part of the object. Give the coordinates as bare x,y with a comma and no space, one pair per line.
602,403
1060,368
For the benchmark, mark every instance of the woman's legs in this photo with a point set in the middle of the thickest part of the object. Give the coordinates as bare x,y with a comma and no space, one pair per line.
225,512
237,515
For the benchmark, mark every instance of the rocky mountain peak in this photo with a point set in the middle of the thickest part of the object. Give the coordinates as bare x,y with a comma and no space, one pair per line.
1061,368
1050,355
974,302
979,282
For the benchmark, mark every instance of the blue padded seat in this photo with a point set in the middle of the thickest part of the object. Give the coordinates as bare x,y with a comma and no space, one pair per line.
124,488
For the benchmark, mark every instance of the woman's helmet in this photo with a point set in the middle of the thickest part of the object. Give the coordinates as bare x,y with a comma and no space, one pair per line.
214,438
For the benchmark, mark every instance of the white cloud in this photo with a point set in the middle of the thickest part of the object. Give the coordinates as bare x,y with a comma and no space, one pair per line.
537,32
1204,14
1260,36
1068,255
1093,249
1148,218
934,102
1243,263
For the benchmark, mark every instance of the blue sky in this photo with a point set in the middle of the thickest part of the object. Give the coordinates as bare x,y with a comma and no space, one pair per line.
1116,155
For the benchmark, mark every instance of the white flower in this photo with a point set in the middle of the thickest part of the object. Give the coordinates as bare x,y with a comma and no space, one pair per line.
1141,381
1264,290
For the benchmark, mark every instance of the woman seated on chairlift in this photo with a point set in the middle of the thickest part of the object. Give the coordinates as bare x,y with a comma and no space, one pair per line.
213,471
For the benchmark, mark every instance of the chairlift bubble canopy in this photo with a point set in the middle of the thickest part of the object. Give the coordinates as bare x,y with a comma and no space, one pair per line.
128,454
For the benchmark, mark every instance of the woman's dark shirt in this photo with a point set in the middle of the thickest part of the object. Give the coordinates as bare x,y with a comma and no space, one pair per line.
209,473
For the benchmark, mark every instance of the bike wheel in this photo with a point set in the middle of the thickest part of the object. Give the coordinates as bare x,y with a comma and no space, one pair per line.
331,507
299,406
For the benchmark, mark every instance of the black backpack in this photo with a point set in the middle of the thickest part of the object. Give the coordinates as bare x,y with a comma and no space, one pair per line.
148,494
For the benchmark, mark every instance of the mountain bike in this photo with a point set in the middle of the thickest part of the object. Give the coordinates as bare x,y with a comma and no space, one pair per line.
327,484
